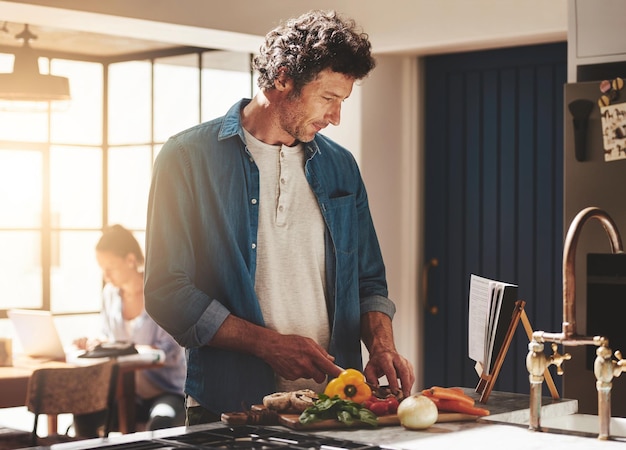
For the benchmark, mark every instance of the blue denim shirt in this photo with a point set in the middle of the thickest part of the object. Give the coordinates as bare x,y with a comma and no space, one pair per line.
201,254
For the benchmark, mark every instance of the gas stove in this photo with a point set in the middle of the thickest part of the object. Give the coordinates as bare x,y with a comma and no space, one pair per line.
243,437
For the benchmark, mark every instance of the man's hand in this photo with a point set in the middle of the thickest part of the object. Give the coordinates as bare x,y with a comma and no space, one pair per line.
290,356
395,367
294,357
384,359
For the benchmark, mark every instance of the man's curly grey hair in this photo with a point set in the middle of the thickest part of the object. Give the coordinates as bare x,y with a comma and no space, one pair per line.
313,42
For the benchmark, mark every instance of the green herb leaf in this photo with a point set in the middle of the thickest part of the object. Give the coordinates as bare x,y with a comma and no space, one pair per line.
367,416
345,417
336,408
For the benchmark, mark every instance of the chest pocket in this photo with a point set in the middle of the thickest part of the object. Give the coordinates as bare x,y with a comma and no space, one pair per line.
341,216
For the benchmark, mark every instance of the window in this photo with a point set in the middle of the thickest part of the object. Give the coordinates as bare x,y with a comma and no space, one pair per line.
66,173
21,180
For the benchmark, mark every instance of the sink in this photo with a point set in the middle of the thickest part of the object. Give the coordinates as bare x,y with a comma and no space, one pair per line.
583,424
564,421
520,413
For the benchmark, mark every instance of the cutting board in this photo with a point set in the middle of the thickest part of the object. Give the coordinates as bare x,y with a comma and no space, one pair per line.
291,421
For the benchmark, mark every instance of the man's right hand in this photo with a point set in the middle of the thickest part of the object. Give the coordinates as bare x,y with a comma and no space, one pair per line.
290,356
294,357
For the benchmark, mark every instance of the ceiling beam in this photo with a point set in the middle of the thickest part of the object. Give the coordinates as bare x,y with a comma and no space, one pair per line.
126,27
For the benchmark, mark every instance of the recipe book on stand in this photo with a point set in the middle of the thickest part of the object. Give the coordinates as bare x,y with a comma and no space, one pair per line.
491,307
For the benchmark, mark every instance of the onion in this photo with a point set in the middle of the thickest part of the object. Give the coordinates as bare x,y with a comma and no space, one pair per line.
417,412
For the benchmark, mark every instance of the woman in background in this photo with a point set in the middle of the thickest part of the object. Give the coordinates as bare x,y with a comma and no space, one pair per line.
160,400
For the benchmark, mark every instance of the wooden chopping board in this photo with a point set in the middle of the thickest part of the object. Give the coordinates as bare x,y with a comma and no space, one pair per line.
291,421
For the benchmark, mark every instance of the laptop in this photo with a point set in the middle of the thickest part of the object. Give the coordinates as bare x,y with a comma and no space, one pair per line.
37,333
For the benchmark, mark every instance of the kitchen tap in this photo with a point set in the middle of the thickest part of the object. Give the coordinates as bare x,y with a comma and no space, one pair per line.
605,368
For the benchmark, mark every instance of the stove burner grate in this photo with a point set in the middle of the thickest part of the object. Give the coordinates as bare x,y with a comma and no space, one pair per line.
260,438
245,438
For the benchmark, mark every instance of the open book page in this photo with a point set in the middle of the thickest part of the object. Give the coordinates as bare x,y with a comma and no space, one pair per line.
491,304
496,305
479,311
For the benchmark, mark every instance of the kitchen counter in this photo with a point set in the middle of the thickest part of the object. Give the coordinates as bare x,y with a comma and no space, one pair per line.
470,436
486,436
506,427
498,432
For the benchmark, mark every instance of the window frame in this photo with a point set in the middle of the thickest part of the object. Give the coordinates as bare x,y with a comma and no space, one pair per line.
47,228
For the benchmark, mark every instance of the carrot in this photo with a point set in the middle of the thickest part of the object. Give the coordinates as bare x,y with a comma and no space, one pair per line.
448,405
449,394
457,389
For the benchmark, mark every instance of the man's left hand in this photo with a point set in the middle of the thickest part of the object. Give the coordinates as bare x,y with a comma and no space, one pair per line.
395,367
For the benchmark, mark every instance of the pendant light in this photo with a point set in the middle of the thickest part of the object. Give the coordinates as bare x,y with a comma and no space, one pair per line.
26,83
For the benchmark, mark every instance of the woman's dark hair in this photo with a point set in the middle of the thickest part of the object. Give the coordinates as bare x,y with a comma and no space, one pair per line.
119,241
313,42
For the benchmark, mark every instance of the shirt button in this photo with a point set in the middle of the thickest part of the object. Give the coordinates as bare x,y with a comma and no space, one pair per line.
282,154
253,246
280,208
282,181
253,201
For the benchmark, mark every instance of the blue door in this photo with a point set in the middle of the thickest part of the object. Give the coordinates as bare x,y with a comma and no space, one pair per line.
493,198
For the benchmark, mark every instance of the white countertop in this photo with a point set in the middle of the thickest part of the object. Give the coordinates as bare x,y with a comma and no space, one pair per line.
473,435
470,436
506,428
497,436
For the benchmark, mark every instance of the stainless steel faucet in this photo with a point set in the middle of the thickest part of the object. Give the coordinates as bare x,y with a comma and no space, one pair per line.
605,367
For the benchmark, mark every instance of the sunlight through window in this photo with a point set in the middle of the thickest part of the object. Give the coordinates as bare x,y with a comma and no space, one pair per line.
66,173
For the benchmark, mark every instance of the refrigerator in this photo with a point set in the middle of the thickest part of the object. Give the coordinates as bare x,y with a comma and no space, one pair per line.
595,175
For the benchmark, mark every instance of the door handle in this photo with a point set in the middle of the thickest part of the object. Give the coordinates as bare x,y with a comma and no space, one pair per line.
434,262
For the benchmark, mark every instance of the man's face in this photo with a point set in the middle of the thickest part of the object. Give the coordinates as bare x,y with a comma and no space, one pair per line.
318,104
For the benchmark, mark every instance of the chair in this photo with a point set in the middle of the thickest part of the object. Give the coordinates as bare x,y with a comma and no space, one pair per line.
73,390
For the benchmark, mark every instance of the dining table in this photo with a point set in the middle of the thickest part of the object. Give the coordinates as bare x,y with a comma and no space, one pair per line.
14,385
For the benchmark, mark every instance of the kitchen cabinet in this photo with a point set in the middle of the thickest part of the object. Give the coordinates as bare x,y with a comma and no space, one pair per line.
596,51
596,181
596,38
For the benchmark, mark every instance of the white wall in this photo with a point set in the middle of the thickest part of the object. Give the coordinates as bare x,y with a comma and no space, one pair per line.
380,123
391,167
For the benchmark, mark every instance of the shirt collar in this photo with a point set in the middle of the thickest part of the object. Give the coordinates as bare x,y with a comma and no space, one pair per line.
231,126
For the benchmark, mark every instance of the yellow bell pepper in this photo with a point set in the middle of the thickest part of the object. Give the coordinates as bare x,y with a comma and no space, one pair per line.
349,385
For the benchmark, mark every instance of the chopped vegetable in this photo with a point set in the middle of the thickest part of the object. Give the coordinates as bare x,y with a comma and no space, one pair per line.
456,406
379,408
449,394
349,385
336,408
453,399
392,405
382,406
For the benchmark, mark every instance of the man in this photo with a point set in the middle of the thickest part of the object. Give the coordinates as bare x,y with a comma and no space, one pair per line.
262,258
